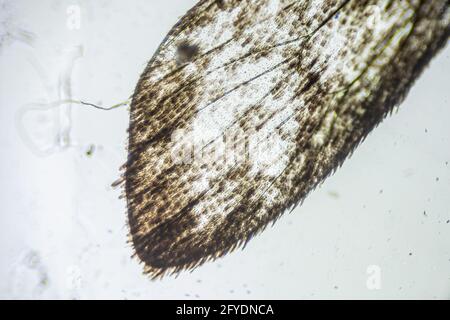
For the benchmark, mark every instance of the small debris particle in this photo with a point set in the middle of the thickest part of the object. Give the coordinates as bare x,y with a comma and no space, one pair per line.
425,213
333,194
44,281
437,178
381,191
90,150
410,253
336,287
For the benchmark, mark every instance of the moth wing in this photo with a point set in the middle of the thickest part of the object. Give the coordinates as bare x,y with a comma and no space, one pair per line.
248,105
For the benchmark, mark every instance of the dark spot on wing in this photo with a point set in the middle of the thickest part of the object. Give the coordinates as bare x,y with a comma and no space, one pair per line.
186,52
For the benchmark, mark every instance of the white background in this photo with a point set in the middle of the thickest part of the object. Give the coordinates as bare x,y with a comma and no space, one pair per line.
63,229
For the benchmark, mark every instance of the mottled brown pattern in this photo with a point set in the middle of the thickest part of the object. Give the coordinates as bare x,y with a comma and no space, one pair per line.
314,77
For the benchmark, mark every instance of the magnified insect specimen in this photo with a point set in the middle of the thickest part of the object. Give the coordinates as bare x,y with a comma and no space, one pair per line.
248,105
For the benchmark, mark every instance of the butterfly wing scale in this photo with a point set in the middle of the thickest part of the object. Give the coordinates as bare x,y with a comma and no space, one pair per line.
248,105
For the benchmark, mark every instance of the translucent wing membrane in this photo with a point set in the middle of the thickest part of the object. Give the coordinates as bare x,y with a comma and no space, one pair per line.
248,105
